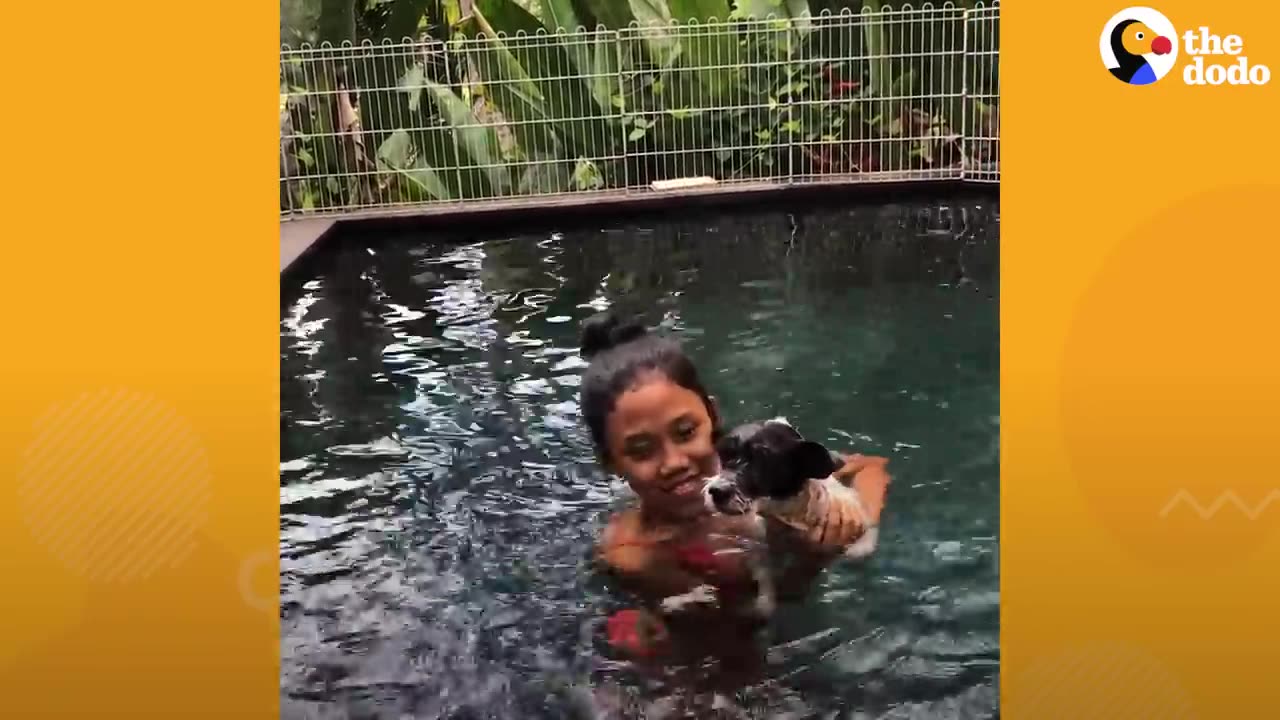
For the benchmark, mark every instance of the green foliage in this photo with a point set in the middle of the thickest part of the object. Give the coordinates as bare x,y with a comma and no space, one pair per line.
629,91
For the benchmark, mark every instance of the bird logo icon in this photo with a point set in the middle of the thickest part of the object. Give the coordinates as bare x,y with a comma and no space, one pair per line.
1139,46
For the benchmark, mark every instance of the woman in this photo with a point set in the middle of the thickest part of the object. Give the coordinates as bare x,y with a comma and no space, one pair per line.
654,423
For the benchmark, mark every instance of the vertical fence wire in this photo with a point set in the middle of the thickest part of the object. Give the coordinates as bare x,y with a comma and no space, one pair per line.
789,56
982,61
868,96
964,95
993,174
620,105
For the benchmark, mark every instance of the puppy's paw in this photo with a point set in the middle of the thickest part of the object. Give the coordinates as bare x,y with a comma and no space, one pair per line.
701,596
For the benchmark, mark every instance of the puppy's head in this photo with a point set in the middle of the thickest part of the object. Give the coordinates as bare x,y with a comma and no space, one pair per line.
768,460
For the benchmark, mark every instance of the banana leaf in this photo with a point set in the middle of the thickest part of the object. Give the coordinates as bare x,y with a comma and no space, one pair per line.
506,82
793,16
480,165
653,19
561,15
612,14
595,54
796,10
572,106
385,102
417,180
384,109
711,51
606,79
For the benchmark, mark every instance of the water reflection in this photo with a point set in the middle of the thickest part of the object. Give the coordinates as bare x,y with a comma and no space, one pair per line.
450,580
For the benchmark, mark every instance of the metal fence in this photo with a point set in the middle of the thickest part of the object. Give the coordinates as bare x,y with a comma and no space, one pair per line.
893,95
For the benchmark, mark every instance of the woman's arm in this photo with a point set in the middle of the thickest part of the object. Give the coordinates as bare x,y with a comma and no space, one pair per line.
846,524
869,476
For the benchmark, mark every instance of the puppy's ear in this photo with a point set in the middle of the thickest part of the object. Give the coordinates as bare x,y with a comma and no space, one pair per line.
812,460
726,441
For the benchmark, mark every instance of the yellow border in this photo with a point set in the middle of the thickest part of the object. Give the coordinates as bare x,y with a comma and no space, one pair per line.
1141,406
139,502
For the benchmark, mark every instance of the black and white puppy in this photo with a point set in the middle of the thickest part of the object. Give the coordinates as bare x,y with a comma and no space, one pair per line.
770,470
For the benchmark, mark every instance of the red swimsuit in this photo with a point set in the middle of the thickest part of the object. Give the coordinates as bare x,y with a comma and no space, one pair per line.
641,633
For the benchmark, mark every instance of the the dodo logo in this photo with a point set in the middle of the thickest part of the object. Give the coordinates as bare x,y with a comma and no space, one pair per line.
1139,45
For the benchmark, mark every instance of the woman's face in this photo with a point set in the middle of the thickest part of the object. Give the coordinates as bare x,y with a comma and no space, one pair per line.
659,437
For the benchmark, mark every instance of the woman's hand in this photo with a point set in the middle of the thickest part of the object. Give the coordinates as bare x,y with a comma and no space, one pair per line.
845,525
868,476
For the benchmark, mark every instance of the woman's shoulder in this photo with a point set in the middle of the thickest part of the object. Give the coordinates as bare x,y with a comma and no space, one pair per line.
624,545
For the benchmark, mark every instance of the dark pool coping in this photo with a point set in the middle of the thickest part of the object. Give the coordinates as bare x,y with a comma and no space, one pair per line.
298,236
301,236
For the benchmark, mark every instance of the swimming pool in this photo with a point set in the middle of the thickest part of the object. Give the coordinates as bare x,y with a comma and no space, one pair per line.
452,582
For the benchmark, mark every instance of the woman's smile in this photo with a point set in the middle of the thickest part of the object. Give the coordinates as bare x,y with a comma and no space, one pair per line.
691,485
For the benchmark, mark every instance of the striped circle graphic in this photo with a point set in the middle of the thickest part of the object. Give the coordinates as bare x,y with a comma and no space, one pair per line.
115,485
1099,681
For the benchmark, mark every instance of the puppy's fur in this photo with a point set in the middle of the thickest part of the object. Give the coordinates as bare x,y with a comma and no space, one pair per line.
769,470
701,596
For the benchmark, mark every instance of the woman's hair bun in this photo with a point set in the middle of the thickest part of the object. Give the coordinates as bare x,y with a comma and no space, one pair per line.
605,331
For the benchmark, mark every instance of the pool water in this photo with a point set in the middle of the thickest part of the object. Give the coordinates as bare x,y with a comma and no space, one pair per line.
448,576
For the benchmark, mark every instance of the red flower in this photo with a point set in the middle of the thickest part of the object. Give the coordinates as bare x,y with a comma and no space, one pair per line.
839,86
845,86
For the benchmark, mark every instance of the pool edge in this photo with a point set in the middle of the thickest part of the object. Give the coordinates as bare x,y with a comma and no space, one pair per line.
300,236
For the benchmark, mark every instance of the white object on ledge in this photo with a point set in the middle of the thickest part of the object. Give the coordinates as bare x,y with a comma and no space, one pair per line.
682,183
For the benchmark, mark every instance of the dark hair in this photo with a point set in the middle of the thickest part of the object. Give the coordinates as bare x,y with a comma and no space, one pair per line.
619,353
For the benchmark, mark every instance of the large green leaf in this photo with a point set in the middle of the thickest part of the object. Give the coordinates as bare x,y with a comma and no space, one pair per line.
418,180
593,54
565,106
792,16
648,12
484,172
506,82
605,80
612,14
700,10
395,112
711,51
386,104
654,20
437,148
780,9
561,14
